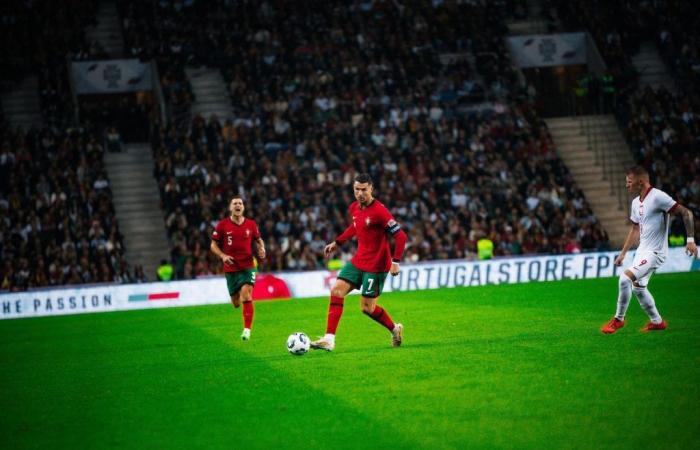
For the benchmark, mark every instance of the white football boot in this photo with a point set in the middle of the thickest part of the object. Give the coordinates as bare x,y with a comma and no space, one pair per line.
245,336
326,343
397,335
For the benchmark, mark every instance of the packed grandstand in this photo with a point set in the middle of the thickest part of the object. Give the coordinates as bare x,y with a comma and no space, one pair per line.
423,96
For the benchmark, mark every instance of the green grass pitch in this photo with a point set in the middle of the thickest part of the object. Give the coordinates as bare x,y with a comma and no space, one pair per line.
510,366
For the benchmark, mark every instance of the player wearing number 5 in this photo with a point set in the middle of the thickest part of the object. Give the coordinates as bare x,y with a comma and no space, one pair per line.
232,241
372,224
650,220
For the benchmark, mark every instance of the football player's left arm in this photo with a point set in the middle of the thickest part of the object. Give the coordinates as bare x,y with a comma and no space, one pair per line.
260,248
689,222
400,238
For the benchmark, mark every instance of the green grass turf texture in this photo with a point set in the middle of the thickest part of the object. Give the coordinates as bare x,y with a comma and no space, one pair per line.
510,366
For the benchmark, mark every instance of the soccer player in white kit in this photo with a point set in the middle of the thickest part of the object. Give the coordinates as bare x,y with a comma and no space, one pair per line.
650,221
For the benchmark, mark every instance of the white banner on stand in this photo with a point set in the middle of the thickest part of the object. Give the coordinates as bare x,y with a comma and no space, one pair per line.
430,275
111,76
544,50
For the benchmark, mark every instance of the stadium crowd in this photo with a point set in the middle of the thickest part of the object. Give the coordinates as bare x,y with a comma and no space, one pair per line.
36,39
678,41
38,34
448,182
661,126
421,96
331,91
620,27
617,29
142,26
663,131
57,223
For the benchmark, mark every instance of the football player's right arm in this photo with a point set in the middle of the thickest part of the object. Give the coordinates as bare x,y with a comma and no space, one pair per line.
214,247
340,240
632,239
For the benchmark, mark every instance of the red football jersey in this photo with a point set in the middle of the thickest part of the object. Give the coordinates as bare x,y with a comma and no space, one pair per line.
372,225
237,241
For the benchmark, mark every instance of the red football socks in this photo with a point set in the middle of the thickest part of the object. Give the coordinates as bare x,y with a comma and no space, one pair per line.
381,316
248,314
335,310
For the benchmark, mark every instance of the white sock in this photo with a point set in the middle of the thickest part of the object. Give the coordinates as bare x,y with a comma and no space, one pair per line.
623,298
646,300
329,337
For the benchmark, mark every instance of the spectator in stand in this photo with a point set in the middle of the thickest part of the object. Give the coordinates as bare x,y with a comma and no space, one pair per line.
164,271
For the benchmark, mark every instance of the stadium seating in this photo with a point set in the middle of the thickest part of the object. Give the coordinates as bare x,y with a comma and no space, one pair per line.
35,40
678,41
507,184
663,131
34,34
661,127
58,224
329,89
617,29
384,94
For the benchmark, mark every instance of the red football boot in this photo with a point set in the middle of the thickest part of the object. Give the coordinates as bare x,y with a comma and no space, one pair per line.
651,326
612,326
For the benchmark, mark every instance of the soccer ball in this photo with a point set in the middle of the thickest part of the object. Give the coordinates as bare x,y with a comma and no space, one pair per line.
298,343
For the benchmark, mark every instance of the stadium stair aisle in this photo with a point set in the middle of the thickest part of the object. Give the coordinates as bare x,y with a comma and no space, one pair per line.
22,105
572,146
652,69
137,205
211,94
108,31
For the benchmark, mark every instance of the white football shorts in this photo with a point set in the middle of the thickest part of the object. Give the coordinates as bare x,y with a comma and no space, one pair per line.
644,266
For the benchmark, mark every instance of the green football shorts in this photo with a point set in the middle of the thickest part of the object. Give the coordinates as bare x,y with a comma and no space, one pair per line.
369,283
236,280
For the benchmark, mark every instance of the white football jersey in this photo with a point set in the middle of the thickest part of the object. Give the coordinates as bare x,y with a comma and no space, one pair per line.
651,214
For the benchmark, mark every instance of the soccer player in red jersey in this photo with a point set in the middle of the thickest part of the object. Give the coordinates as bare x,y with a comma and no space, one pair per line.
372,223
232,241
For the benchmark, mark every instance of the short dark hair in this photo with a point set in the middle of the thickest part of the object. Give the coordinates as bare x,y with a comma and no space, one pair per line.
637,171
363,178
233,197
